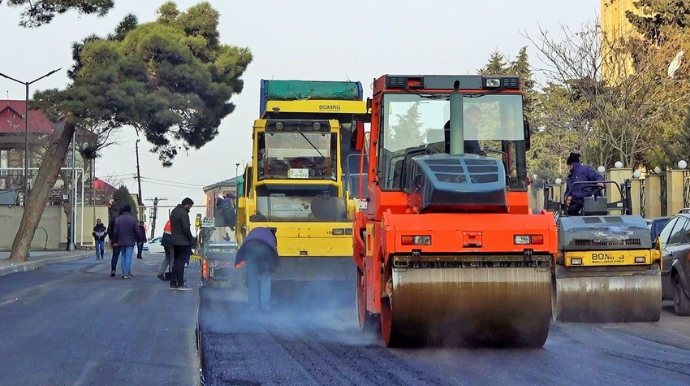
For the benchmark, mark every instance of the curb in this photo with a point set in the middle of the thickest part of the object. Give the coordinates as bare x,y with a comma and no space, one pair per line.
36,264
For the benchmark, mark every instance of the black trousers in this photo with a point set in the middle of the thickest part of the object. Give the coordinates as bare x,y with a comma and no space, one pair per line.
180,257
113,260
574,209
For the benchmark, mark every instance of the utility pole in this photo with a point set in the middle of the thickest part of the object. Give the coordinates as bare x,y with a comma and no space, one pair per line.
155,215
140,203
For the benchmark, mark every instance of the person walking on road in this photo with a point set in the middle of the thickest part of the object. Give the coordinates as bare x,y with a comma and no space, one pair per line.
127,235
113,243
259,252
140,244
182,240
166,242
98,234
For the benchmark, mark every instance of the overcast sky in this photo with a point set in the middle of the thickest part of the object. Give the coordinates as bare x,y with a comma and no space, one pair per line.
298,39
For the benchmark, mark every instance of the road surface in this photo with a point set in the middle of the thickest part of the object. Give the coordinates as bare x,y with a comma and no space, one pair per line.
73,324
322,345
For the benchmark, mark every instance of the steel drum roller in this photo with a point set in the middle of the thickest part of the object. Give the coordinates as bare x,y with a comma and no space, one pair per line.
469,306
594,297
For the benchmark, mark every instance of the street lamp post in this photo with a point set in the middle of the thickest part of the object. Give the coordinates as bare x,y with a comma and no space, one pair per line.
26,127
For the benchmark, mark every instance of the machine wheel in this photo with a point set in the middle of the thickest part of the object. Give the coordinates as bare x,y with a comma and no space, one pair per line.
391,337
681,302
387,323
367,321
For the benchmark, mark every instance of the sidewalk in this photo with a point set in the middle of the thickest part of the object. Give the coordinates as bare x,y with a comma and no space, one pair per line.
38,259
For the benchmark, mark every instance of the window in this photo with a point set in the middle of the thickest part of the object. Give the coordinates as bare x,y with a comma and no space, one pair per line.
666,232
676,236
301,155
492,126
4,161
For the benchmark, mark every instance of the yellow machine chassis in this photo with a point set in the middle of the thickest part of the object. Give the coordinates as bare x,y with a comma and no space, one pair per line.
608,258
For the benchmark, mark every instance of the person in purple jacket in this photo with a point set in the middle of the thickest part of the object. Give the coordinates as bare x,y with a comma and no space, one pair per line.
575,194
127,234
259,252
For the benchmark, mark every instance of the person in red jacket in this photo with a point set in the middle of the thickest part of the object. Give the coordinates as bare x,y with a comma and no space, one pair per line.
166,242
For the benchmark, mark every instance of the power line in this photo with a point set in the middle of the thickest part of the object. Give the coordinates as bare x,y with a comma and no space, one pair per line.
172,182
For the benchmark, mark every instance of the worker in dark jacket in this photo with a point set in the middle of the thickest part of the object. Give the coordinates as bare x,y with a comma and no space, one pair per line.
182,240
127,234
140,244
575,194
116,248
259,251
99,233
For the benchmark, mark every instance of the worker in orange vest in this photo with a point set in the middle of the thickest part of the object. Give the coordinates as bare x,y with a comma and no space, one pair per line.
166,242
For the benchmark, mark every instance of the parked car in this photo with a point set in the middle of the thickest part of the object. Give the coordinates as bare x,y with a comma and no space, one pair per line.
154,246
675,273
655,226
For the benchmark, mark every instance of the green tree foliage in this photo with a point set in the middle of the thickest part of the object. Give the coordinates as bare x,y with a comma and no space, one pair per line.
36,13
408,131
548,145
621,100
657,17
123,197
664,28
497,65
170,79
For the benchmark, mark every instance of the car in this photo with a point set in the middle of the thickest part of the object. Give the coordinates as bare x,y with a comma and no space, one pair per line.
655,225
154,245
675,271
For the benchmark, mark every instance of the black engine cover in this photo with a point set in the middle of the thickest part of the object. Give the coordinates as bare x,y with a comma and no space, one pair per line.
467,183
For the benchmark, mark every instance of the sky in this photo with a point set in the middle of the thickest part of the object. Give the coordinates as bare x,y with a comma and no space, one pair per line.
356,40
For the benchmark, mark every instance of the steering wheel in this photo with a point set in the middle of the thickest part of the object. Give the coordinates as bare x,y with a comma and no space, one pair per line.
301,162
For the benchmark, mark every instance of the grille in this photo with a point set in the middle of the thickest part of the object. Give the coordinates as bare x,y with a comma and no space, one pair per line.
607,243
457,170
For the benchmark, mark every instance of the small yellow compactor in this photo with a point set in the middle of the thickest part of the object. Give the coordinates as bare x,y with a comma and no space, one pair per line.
606,270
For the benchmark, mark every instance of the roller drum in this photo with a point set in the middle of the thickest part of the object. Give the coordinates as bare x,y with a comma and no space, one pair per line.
488,306
607,296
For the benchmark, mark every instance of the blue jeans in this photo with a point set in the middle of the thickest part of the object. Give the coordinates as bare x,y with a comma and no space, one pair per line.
100,248
126,253
258,285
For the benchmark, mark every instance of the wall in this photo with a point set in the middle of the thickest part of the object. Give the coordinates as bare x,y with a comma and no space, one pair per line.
89,223
47,235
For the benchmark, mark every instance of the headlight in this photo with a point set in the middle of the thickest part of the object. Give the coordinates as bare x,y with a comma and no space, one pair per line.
493,83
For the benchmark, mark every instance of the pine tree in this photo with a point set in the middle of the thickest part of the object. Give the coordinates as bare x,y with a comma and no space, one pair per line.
171,79
36,13
498,65
121,198
407,133
520,66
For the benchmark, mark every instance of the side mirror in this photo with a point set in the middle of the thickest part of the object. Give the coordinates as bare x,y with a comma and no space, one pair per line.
527,134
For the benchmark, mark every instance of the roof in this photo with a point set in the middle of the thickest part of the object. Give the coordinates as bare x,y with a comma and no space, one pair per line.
102,186
232,182
12,119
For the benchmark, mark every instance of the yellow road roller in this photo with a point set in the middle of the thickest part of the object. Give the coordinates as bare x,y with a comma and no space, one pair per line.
606,270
